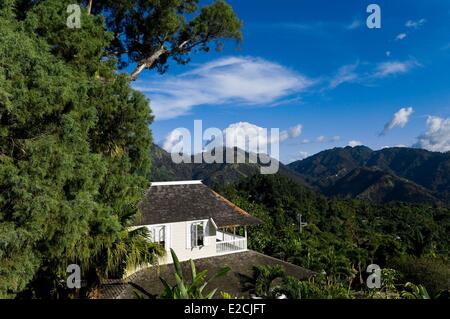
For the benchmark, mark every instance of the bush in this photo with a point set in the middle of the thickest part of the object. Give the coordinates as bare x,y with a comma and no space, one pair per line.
433,273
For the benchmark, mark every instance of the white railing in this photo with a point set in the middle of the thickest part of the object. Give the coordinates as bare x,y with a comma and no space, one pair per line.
228,243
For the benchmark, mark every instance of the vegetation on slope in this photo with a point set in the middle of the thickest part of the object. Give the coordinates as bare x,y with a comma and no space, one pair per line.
344,236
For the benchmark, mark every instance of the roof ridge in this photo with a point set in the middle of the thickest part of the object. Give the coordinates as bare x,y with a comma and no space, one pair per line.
232,205
170,183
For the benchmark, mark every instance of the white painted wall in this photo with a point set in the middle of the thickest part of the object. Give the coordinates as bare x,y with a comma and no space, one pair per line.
177,238
180,236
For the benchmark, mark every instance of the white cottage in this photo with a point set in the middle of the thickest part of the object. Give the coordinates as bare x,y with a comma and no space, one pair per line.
193,220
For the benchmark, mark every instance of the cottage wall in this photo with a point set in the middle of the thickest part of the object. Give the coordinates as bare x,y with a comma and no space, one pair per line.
177,238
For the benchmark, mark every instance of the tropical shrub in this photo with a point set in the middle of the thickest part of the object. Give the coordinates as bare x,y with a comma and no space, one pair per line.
183,289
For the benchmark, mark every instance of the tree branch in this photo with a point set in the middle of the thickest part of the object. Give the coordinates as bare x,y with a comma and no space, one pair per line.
147,63
89,8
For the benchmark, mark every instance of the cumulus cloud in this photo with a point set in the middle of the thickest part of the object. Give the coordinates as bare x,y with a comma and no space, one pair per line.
244,135
400,119
415,24
354,143
248,136
390,68
241,133
296,131
401,36
437,136
230,80
173,140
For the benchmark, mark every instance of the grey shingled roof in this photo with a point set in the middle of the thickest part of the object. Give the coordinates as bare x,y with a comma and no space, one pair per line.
187,202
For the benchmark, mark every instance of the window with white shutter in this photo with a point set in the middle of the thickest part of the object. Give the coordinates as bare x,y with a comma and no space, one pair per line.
158,235
197,234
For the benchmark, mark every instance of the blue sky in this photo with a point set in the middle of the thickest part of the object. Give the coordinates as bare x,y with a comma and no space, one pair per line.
316,64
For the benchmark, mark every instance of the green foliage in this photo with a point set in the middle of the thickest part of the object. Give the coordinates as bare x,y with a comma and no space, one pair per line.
263,279
318,287
431,272
413,291
343,236
175,28
74,143
189,290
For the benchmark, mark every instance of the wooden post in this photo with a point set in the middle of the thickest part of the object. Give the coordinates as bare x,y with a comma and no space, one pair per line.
245,235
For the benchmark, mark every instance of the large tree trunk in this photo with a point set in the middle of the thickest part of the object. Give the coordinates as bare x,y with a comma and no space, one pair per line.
147,63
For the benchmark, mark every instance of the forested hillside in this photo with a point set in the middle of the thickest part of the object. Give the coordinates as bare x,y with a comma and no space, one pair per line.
164,169
344,236
390,174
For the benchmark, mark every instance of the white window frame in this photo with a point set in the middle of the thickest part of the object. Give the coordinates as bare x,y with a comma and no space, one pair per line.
161,229
195,234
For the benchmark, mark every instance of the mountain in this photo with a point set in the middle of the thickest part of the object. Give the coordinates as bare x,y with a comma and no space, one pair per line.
164,169
390,174
378,186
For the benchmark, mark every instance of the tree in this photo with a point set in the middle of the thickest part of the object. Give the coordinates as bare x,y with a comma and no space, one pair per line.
149,32
263,278
189,290
74,142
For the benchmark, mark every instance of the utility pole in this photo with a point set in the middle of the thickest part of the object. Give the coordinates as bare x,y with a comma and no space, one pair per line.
300,223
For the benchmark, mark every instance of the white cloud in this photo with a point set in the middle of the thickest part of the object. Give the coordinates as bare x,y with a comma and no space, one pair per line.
401,36
354,25
437,136
354,143
415,24
321,139
173,139
239,133
296,131
302,155
389,68
400,119
244,135
328,139
335,138
231,80
346,73
350,74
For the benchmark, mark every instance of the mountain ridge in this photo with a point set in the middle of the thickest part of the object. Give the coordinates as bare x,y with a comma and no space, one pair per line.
414,174
164,169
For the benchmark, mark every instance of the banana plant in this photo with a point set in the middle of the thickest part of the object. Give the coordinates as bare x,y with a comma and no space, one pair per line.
189,290
413,291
